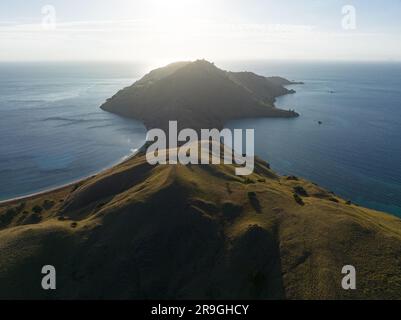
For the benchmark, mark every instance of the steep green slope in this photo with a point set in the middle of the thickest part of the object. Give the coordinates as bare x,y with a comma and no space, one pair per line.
140,231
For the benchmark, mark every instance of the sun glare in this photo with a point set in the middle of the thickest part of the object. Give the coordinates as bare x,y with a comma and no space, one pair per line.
174,9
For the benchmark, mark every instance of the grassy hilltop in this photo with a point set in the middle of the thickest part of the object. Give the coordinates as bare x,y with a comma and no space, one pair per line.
199,231
173,231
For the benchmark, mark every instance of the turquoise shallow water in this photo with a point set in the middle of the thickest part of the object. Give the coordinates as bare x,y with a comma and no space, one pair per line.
52,131
356,151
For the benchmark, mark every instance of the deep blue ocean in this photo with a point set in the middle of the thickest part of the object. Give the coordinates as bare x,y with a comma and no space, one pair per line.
356,150
52,131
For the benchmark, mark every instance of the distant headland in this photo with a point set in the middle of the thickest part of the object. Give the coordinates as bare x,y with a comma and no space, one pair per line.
199,95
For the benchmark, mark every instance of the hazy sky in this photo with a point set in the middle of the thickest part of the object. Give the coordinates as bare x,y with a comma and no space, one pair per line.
169,30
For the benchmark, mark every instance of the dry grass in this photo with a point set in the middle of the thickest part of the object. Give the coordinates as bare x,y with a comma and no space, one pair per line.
140,231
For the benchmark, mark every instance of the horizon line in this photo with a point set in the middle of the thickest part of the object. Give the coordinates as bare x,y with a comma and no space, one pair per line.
139,60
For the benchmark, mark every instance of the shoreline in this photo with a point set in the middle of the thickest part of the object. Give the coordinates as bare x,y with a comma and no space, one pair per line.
69,184
122,160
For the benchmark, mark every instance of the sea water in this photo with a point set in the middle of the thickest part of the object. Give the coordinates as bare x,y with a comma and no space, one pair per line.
355,150
52,130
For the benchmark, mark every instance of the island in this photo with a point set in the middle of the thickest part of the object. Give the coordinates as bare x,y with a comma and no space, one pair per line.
199,95
142,231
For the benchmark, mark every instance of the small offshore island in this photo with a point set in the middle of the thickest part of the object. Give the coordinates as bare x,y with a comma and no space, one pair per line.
141,231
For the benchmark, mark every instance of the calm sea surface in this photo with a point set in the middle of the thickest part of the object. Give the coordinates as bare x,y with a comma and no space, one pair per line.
356,151
52,131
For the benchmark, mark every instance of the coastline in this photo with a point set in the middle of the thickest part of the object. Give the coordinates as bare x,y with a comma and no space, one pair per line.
121,161
69,184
